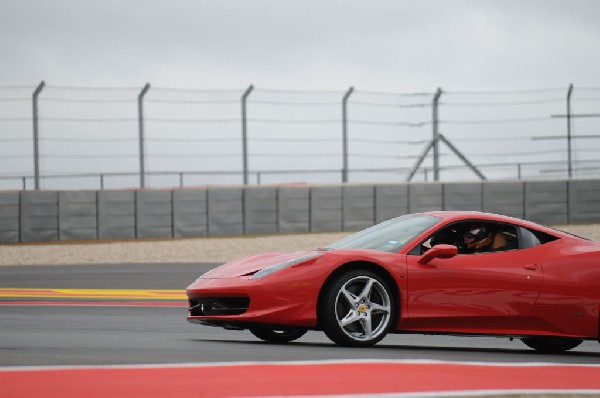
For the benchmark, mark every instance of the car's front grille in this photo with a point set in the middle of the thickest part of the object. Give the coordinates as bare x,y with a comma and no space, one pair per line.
204,306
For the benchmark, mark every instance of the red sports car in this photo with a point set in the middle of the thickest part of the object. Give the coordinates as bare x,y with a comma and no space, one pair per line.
451,272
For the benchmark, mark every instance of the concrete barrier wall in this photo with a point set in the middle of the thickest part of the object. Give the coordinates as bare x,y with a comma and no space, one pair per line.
463,197
546,202
326,209
584,201
39,216
260,211
116,214
425,197
154,214
358,207
9,217
293,209
31,216
390,201
225,211
78,215
506,198
190,212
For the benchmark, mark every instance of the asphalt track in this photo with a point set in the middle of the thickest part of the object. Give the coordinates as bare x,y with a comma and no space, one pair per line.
111,315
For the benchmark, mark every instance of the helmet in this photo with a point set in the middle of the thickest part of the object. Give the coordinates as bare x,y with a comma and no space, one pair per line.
477,237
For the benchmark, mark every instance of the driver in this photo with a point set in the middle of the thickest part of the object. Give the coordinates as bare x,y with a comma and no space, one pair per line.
476,239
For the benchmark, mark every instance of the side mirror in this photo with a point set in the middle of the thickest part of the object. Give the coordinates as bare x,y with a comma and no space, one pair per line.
438,251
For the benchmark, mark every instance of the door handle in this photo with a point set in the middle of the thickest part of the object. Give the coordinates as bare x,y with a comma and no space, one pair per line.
531,267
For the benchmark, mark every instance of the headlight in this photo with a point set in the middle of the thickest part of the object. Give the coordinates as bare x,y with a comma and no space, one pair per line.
274,268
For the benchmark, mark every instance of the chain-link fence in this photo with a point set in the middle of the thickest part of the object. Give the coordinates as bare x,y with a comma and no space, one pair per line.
57,137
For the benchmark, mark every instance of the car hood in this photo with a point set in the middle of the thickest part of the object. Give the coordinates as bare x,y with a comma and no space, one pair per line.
252,264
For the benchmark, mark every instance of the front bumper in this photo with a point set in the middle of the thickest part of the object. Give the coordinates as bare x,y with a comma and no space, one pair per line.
240,301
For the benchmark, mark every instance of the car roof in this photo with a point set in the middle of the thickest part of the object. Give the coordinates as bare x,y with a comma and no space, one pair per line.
459,215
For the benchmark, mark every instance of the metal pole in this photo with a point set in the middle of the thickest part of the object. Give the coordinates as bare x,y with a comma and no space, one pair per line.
245,133
420,160
36,136
102,182
141,136
436,148
345,134
569,159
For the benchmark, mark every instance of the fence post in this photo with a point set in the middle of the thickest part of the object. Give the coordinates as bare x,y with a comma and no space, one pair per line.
345,134
569,159
36,137
141,134
436,140
245,133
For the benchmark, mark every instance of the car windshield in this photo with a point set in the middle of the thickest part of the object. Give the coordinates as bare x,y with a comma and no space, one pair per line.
388,236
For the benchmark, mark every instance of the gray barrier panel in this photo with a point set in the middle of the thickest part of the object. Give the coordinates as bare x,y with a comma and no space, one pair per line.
260,210
293,205
507,198
116,214
390,201
425,197
359,207
77,219
546,202
9,217
225,211
39,216
190,212
154,211
463,196
584,201
326,209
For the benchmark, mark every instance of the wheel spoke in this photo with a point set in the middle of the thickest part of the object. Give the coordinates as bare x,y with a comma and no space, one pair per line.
352,299
377,308
366,325
350,317
366,292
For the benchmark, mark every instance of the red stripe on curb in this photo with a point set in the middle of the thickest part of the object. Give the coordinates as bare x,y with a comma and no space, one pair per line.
253,380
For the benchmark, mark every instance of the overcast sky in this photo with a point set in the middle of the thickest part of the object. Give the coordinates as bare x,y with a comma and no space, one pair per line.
384,45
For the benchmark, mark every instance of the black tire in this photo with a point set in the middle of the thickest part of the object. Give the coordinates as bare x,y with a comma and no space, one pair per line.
356,308
279,335
551,345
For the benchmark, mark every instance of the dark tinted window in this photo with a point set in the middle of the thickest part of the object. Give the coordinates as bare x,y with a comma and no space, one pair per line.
531,238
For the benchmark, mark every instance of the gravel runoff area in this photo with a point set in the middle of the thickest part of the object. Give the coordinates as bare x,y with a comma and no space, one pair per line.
188,250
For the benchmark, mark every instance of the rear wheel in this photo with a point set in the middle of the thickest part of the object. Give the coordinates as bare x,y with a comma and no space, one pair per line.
356,308
278,336
551,344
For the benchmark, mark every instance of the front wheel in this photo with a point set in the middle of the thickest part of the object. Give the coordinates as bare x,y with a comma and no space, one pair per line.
356,308
278,336
551,345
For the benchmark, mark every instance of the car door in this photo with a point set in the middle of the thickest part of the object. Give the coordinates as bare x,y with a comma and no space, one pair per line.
473,293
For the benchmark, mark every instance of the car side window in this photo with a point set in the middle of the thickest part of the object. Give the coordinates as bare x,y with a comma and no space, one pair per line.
474,236
531,238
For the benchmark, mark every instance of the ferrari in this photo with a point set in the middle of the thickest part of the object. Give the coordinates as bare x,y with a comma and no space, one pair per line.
445,272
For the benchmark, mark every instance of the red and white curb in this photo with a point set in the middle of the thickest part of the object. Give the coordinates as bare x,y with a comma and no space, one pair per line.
318,378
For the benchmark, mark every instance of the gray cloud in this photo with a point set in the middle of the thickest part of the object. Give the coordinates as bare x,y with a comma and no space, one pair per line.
384,45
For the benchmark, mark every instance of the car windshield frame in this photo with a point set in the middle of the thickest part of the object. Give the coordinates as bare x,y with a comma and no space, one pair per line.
389,236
